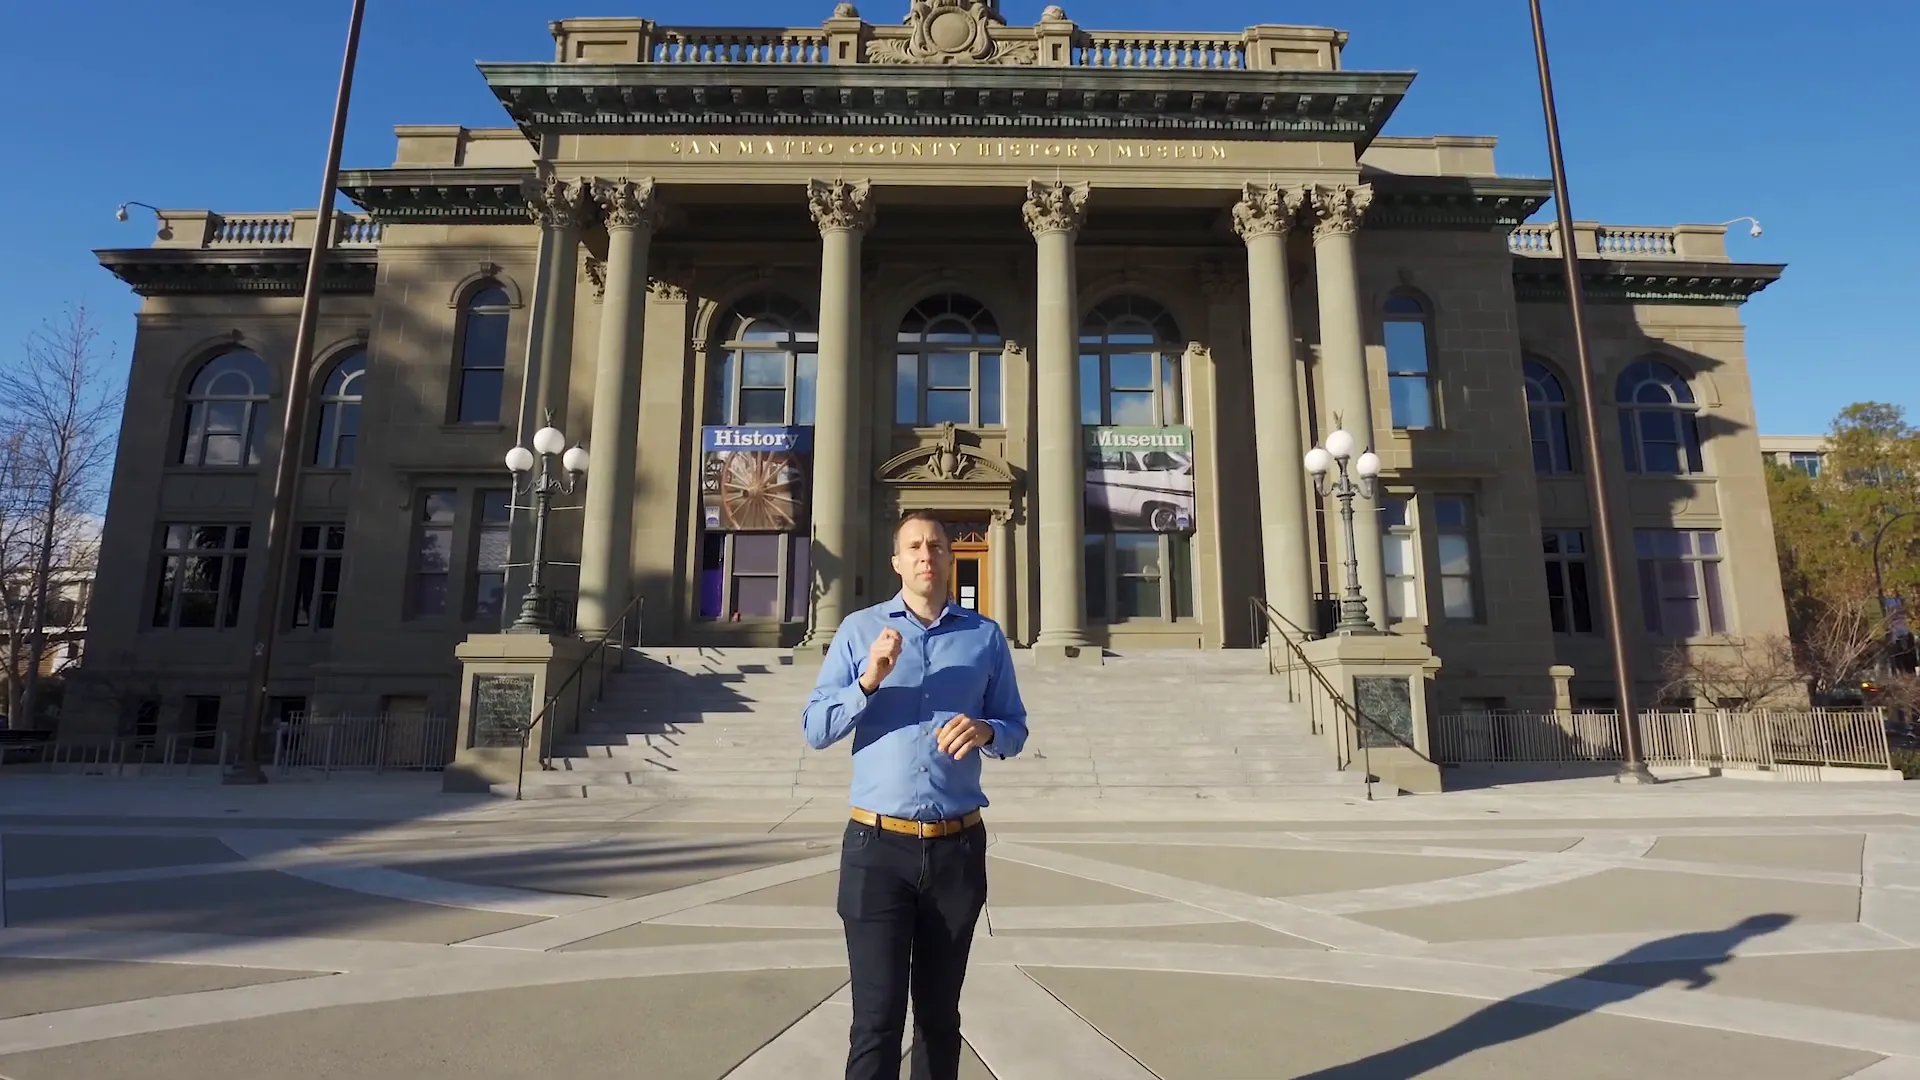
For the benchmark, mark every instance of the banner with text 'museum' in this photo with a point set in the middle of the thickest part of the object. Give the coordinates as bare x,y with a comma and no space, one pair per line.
1139,479
754,478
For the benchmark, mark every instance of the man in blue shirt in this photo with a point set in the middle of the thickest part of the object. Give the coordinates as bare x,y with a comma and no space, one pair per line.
921,684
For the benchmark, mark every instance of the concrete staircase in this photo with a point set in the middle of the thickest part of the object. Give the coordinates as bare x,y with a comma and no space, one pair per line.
725,723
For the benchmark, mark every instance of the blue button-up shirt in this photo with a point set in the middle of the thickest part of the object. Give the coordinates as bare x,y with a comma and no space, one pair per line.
960,664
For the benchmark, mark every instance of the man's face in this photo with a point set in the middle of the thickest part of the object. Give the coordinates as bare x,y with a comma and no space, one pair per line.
921,558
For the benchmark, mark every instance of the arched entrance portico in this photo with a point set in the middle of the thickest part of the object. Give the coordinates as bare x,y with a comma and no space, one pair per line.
975,495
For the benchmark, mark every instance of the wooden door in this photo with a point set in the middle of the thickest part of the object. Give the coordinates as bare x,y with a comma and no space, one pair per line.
971,577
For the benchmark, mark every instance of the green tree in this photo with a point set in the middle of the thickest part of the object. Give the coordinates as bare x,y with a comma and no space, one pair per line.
1825,526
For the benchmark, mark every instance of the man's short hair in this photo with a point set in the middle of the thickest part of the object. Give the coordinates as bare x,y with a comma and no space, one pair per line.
917,515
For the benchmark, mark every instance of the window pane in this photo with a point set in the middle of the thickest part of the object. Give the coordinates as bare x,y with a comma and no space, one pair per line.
1706,543
990,414
1132,408
164,590
906,388
1097,577
1091,390
1180,553
435,554
489,596
480,394
764,369
1136,553
799,582
806,384
227,417
222,450
1396,556
430,594
720,376
1456,557
713,586
1130,371
756,597
950,370
199,610
1456,597
1450,513
1393,511
763,406
486,341
1716,606
1406,347
949,406
1412,402
1138,598
756,553
496,506
1580,598
1557,597
493,549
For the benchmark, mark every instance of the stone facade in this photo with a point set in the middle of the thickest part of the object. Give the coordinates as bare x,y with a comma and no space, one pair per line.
946,274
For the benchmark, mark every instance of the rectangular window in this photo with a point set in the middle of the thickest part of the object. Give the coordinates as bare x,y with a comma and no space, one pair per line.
1569,588
1680,588
1808,463
490,560
202,570
1454,528
1409,389
483,366
756,577
1130,389
1139,576
316,585
433,553
146,718
961,388
204,714
1398,545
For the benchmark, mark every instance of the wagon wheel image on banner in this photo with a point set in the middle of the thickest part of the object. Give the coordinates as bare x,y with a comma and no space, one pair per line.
760,491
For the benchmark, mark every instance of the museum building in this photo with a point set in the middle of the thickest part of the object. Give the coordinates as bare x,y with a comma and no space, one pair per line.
1088,296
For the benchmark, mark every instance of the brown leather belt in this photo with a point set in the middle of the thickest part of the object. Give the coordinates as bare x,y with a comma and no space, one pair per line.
910,827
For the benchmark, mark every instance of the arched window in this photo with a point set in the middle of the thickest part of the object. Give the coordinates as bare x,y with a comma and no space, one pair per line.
765,369
483,354
1407,331
947,358
340,413
1130,351
1659,429
1547,420
226,411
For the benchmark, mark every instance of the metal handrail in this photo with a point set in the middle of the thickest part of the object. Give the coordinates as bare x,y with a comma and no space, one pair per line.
598,651
1262,615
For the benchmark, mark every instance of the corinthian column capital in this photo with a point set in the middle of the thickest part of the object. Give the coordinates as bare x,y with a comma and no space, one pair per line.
557,203
1054,207
1339,208
1267,210
841,205
627,204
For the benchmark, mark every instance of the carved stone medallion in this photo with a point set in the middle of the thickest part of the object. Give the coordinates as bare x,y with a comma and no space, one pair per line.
952,32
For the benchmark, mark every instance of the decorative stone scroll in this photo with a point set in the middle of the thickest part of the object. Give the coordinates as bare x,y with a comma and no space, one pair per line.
952,32
1056,207
627,204
597,277
556,203
947,461
1339,208
1266,209
841,204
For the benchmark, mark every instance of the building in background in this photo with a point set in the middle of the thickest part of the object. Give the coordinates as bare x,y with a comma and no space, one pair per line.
1089,296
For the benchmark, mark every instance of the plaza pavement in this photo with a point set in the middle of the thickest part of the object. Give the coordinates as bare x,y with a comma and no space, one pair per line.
1580,930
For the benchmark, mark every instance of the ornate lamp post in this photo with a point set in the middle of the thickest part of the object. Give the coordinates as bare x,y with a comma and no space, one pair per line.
1337,451
1893,614
548,443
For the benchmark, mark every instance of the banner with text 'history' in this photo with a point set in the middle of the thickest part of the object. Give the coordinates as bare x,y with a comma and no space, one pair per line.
754,478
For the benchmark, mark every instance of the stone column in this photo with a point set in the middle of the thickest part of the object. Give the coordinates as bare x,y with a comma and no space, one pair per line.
1263,217
1000,565
1337,211
560,207
630,213
1054,213
844,211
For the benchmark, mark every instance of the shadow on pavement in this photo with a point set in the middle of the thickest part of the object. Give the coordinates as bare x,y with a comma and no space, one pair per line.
1686,958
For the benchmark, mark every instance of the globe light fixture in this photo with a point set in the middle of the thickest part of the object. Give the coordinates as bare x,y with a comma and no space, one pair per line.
1338,451
549,442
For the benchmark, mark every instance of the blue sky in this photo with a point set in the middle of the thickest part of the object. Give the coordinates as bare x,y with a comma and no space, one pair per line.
1673,111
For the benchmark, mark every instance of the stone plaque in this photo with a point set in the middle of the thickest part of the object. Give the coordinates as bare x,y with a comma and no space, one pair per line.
502,708
1387,700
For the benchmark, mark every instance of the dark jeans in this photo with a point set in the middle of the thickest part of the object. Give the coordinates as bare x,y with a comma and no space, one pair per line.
909,906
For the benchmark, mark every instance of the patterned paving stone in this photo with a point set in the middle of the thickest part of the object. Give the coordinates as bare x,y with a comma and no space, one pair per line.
1837,853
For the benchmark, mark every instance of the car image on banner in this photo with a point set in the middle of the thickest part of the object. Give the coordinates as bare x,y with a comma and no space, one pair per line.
754,479
1140,479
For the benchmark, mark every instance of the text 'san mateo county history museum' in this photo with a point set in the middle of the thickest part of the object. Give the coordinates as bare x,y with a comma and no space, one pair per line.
1088,296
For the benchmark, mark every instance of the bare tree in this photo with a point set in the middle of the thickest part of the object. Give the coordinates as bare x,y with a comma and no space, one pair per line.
1758,674
1836,643
59,412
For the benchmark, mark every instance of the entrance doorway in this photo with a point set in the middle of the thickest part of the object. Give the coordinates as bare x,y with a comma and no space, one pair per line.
972,567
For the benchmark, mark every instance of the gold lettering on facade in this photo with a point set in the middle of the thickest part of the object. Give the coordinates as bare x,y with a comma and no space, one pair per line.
1114,153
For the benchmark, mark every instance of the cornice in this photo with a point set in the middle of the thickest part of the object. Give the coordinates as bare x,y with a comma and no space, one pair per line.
1445,202
1014,101
1616,281
248,271
416,196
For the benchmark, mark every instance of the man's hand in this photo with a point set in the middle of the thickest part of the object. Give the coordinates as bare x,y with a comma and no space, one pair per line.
962,735
880,659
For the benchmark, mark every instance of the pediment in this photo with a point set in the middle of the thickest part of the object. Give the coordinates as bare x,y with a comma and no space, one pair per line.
946,462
